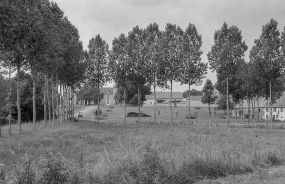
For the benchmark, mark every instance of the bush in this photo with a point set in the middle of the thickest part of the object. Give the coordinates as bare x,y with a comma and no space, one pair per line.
136,114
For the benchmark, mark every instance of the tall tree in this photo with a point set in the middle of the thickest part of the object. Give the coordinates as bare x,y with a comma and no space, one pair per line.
227,51
137,50
208,94
267,56
192,69
119,67
153,59
172,45
97,69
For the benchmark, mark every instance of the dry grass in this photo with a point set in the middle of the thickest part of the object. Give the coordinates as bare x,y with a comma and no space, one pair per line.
133,153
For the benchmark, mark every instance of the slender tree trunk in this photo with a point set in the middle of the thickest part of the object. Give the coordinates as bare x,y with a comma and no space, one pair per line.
189,112
19,98
65,103
139,102
52,101
228,120
254,110
242,110
125,106
61,103
248,104
209,110
271,120
69,103
45,101
10,103
154,98
34,99
49,104
235,111
171,110
258,110
57,102
98,101
72,103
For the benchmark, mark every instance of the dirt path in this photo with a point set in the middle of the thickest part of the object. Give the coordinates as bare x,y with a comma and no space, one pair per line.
88,113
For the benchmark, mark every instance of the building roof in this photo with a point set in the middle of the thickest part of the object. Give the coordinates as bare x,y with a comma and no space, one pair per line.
165,95
279,103
107,90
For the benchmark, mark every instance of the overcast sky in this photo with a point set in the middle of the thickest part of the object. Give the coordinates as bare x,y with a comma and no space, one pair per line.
110,18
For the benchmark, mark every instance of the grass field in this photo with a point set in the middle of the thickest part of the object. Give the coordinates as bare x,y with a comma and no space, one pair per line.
87,152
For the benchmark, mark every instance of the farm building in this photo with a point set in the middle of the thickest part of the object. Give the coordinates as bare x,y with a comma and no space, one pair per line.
109,94
163,98
278,109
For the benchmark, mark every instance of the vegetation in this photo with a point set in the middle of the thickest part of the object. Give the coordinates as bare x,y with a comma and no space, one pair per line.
193,92
107,153
209,96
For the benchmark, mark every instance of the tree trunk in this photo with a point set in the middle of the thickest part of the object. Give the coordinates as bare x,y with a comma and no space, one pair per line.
171,110
154,98
125,107
18,98
258,110
34,99
189,112
242,110
248,105
139,102
209,110
69,103
271,121
45,101
235,109
98,88
49,104
228,120
72,103
10,103
61,103
253,110
52,101
57,102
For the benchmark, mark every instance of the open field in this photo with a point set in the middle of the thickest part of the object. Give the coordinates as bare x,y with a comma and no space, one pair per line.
115,114
86,152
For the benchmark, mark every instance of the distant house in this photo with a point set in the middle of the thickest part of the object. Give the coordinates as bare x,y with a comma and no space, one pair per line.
278,110
163,98
109,94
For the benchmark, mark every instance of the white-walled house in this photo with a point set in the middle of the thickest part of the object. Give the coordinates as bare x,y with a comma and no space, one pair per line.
278,110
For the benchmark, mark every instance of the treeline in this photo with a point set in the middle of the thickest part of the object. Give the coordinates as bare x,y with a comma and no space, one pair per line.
261,77
37,37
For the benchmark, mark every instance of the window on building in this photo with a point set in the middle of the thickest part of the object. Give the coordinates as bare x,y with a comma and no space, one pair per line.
274,109
107,102
266,109
281,109
276,116
273,117
266,116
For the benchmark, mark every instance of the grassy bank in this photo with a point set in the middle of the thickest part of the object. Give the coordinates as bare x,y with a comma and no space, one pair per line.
85,152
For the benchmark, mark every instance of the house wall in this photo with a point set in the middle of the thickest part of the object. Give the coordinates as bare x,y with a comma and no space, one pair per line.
277,113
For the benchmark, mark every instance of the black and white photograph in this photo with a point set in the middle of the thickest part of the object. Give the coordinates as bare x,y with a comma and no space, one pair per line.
142,92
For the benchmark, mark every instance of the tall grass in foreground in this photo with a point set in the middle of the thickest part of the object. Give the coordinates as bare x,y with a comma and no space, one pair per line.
142,161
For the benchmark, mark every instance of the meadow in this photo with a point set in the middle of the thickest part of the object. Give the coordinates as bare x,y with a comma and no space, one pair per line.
112,152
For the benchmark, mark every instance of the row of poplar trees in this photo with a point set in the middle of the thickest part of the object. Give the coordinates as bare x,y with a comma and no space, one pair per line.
261,77
36,36
148,55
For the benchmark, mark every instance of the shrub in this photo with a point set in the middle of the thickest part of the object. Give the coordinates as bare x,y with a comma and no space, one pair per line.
54,170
